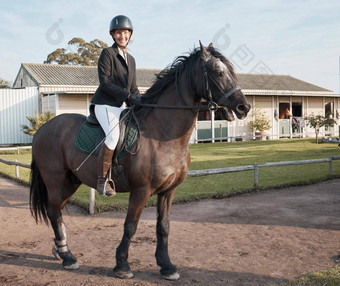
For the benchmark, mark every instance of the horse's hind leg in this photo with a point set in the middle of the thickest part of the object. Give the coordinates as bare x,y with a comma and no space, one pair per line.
60,248
56,202
168,270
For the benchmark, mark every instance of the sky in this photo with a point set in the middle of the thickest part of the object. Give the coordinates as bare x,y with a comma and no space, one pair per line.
300,38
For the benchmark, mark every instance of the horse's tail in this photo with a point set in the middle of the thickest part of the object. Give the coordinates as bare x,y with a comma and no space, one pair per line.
38,195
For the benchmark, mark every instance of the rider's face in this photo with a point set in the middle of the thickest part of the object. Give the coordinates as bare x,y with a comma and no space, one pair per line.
121,37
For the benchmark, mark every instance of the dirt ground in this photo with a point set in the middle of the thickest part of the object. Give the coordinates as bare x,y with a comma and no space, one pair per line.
253,239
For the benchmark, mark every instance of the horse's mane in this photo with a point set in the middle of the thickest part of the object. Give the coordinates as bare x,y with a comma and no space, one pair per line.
172,72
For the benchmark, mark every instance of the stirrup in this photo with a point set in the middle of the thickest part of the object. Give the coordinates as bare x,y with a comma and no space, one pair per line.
109,182
106,187
110,191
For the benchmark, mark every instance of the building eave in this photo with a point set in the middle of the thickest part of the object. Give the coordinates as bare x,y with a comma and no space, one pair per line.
68,86
288,93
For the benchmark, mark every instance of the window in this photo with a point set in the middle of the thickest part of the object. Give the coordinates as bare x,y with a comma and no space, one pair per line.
329,109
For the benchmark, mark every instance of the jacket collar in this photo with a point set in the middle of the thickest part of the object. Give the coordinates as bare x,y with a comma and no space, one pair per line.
115,48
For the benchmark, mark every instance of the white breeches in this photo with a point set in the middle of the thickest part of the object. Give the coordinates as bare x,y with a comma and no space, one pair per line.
108,117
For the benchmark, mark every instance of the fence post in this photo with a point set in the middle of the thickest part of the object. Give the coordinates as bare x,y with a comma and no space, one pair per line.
92,200
212,116
256,175
220,132
330,165
17,175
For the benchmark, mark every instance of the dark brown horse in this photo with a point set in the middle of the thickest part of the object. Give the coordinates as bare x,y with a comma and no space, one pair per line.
158,168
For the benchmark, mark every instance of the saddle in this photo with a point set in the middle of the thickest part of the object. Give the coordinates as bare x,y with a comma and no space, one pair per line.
91,137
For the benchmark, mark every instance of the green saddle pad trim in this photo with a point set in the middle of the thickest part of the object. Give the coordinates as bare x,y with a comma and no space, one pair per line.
130,136
90,136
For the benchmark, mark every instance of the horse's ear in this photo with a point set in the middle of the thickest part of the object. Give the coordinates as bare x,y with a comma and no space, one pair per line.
204,52
211,46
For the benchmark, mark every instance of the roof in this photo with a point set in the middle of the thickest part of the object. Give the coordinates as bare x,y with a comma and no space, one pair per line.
276,82
53,74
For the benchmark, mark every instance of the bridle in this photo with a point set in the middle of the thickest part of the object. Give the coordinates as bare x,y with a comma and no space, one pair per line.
207,91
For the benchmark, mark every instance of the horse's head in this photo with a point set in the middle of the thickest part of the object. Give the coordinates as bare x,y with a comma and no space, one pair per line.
220,84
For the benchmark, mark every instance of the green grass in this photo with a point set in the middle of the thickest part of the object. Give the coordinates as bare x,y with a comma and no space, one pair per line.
8,171
218,155
330,277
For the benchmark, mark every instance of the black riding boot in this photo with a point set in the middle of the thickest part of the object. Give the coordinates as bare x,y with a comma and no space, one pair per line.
103,165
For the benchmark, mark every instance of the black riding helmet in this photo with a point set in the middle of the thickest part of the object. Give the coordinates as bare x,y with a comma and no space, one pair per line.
121,22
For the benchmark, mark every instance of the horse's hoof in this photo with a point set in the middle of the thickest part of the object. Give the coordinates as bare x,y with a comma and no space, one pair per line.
69,261
172,277
74,266
56,253
123,274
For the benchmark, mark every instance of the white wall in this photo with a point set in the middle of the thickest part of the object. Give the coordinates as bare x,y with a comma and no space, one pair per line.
15,105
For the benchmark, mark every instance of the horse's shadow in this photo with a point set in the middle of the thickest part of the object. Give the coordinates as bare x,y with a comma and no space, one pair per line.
46,262
188,275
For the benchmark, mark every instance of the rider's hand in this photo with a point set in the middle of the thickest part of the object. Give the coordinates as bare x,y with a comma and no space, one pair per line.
134,99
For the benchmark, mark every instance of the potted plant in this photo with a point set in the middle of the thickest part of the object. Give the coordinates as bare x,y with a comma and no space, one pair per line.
259,123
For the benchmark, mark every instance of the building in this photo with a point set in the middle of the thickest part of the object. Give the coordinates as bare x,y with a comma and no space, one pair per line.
277,93
69,89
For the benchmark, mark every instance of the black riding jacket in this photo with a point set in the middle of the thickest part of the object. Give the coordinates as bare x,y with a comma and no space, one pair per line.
116,78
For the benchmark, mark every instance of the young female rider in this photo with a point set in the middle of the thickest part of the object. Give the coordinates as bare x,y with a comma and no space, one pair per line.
117,85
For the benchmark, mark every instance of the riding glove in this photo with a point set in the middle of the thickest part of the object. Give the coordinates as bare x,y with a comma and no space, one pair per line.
134,99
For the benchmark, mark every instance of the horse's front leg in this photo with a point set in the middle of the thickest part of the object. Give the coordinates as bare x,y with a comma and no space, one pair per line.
137,202
168,270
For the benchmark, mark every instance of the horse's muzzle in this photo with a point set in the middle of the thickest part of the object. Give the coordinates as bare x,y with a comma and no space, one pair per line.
242,110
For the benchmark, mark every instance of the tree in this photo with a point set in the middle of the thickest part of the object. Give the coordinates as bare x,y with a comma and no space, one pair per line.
79,53
4,83
318,121
36,122
259,121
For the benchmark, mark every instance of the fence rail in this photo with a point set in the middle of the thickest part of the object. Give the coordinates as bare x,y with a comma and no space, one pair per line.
205,172
255,167
17,148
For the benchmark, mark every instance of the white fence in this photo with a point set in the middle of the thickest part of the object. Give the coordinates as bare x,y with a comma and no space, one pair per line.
17,148
205,172
15,105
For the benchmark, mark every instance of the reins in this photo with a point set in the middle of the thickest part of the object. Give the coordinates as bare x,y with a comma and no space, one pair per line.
203,107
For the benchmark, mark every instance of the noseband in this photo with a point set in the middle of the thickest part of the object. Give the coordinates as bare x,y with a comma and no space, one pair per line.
207,91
